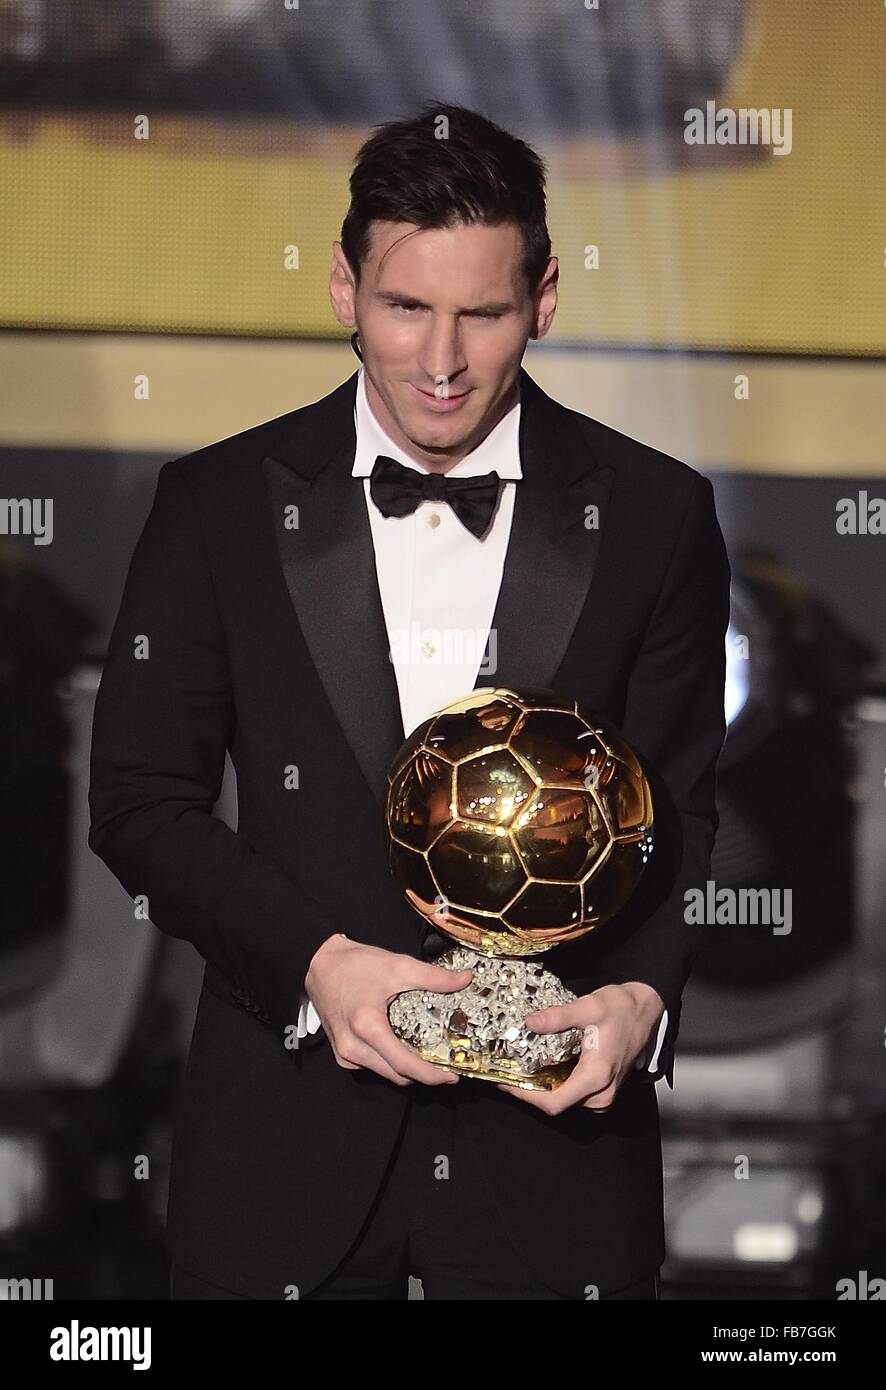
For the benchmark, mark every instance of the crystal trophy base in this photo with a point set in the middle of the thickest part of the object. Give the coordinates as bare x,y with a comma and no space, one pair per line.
479,1031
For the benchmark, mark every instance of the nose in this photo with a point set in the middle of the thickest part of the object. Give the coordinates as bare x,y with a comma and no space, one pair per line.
441,355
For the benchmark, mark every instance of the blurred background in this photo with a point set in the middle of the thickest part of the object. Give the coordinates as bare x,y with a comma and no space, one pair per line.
174,173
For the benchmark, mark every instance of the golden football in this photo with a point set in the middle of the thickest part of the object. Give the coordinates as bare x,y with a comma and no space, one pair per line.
515,820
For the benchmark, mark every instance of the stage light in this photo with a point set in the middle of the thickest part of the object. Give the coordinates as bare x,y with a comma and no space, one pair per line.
24,1173
776,1216
737,678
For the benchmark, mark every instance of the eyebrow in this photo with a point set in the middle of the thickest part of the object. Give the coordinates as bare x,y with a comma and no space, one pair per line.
395,297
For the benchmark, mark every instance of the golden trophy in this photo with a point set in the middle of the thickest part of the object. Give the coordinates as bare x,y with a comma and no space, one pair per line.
514,821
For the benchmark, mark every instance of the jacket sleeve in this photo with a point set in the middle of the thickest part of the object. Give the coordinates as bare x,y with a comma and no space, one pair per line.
675,720
164,717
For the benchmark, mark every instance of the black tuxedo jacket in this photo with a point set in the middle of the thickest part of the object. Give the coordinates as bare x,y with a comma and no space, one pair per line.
251,620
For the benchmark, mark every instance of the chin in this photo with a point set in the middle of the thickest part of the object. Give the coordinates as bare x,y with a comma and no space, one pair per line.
438,443
441,430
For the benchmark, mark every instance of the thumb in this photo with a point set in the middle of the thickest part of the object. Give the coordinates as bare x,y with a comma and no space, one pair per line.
441,980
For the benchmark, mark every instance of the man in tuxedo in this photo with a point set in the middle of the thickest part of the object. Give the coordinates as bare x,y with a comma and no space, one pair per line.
291,599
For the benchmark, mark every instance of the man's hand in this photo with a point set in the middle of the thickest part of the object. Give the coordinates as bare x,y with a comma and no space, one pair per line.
617,1021
351,984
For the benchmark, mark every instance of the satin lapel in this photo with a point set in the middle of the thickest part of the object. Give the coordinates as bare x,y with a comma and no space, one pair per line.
559,512
329,565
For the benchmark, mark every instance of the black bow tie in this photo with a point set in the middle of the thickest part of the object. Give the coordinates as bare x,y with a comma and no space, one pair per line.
397,491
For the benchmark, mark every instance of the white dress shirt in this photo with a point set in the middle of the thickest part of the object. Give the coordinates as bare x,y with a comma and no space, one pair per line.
439,586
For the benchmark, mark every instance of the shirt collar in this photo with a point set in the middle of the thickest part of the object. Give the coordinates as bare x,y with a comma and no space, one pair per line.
500,450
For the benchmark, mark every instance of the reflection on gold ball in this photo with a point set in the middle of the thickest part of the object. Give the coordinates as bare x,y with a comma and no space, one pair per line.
515,820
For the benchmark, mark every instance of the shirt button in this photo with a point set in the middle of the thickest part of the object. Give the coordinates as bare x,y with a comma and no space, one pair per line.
434,519
428,649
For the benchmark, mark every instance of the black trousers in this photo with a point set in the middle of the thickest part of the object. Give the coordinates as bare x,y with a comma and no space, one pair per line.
434,1218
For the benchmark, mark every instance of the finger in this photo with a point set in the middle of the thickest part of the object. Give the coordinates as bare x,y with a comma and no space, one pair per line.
570,1092
365,1057
594,1078
598,1109
601,1098
582,1083
539,1099
402,1059
558,1017
436,977
342,1062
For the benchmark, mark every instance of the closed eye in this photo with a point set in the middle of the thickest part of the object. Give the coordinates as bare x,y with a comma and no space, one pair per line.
408,307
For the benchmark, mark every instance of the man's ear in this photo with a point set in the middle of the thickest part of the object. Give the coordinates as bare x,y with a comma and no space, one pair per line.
342,287
545,299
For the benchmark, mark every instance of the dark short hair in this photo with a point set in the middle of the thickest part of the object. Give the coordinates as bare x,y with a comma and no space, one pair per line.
479,174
